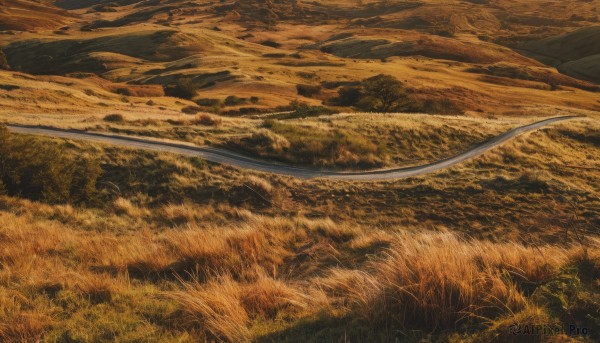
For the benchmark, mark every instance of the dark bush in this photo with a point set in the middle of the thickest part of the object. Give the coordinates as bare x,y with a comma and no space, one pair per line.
274,55
308,90
299,109
233,100
114,118
9,87
185,88
123,91
271,44
244,111
3,62
207,102
349,96
191,109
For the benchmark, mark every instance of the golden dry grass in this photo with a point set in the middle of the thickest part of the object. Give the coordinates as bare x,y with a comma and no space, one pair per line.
229,282
173,249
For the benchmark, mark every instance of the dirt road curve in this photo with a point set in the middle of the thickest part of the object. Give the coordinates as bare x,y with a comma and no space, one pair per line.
226,157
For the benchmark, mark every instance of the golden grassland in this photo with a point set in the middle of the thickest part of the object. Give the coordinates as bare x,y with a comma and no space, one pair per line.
99,243
174,249
222,50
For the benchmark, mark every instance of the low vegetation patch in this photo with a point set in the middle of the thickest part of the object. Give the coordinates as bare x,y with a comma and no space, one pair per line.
312,145
32,169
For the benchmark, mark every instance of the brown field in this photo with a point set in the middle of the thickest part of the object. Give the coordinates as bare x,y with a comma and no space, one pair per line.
99,243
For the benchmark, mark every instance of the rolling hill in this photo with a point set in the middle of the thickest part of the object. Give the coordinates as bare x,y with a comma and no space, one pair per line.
575,53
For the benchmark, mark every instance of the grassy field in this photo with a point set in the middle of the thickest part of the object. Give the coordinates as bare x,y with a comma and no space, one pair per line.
174,249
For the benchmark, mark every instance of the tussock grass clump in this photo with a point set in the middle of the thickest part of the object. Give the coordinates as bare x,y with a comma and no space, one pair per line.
223,308
124,206
260,193
216,309
18,324
437,281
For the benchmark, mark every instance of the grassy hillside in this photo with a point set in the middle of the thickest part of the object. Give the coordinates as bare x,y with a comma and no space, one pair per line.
25,15
99,243
575,53
172,249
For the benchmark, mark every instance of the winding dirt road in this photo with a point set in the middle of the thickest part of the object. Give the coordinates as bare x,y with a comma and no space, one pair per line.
226,157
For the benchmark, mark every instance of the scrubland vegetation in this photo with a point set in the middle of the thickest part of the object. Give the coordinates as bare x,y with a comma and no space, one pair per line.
174,249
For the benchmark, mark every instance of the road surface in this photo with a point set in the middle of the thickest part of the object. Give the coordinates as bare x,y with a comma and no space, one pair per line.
230,158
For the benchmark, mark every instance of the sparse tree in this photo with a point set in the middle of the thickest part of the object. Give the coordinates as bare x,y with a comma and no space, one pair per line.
383,93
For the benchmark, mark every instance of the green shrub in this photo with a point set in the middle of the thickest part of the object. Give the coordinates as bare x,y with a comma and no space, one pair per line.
38,171
382,93
299,109
441,106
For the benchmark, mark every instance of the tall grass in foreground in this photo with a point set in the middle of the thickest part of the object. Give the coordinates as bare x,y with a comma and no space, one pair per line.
262,277
428,282
435,281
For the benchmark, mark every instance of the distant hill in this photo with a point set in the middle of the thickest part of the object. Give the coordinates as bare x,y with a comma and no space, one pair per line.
21,15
